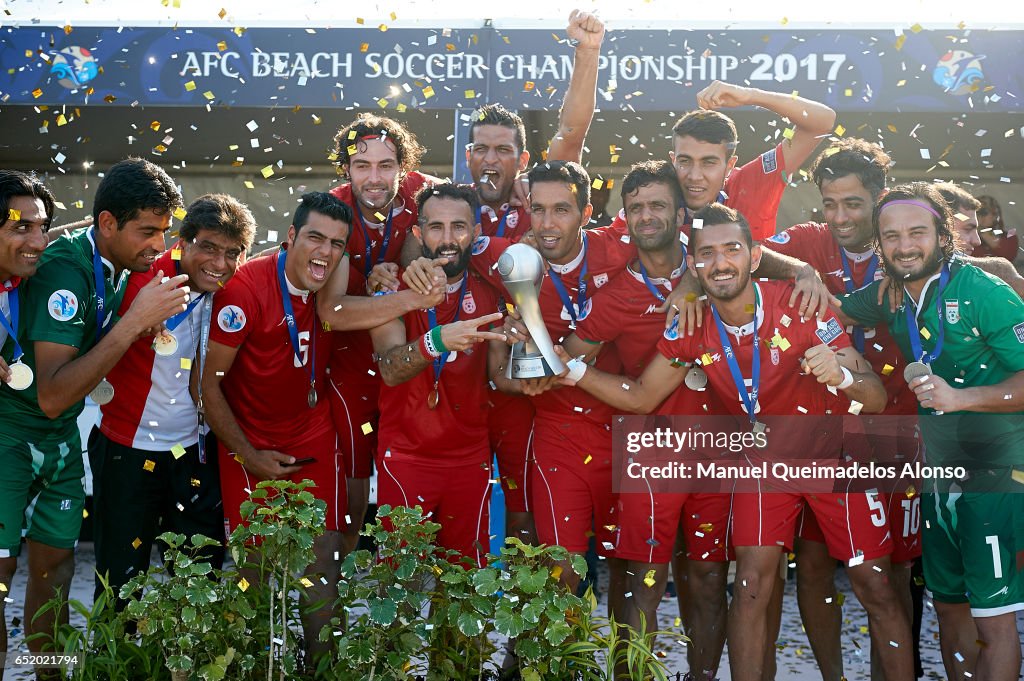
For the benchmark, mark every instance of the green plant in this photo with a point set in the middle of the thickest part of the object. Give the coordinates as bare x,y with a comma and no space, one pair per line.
189,612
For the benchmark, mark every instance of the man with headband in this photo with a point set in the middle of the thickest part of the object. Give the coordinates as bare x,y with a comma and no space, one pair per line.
962,331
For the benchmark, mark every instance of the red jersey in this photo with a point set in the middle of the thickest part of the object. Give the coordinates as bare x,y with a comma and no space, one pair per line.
516,222
457,429
783,390
625,314
268,385
605,255
1006,248
754,189
152,408
814,244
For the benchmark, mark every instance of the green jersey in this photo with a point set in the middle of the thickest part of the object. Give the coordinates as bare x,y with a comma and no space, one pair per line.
982,320
58,305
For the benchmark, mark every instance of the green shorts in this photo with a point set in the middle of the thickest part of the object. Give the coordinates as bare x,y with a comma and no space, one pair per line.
971,542
42,491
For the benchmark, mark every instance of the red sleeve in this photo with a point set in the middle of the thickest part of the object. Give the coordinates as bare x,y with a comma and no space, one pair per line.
755,190
618,249
619,223
798,241
673,346
236,312
136,282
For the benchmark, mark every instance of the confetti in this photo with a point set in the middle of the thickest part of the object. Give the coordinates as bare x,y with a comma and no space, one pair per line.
178,451
179,213
267,172
137,543
189,86
888,369
176,254
13,214
243,584
649,579
149,465
186,364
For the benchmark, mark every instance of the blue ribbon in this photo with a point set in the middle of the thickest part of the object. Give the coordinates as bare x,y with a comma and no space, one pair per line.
869,276
749,399
367,259
650,284
432,321
556,279
12,325
915,331
289,317
101,289
501,225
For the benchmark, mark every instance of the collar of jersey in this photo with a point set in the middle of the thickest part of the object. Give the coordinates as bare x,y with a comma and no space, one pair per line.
107,265
924,293
667,283
859,257
748,328
455,286
571,265
397,206
294,290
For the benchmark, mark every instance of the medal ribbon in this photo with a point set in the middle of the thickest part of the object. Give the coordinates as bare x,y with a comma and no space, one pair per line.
173,322
915,331
432,321
869,276
205,319
289,317
12,325
101,289
581,296
650,284
749,399
367,258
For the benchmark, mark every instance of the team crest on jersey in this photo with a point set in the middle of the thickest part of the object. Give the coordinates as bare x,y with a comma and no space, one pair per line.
775,355
512,218
480,245
581,312
672,332
769,164
468,304
829,332
780,238
231,319
1019,330
63,305
601,279
952,311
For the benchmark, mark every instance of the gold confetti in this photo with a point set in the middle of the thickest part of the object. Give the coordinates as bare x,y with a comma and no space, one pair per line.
37,93
13,214
588,459
149,465
848,92
178,451
110,99
556,571
176,254
61,120
899,42
208,95
840,130
428,92
649,579
186,364
249,185
222,13
267,172
367,428
243,584
598,183
194,482
925,334
179,213
306,583
222,45
155,126
137,543
364,47
788,133
888,369
1018,476
382,103
470,94
528,85
916,28
190,86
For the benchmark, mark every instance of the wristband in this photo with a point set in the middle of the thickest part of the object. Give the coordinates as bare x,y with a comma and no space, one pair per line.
847,379
435,336
577,368
427,347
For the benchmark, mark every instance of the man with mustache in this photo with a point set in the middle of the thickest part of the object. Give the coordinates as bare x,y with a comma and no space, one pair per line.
962,330
70,341
434,449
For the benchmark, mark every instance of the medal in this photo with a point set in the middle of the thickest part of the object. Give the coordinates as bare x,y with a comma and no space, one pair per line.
165,345
696,379
915,370
433,398
102,393
759,428
311,398
21,376
293,332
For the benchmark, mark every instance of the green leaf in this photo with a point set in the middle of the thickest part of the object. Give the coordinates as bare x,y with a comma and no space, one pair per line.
530,674
509,623
383,610
579,565
532,581
188,614
485,581
556,632
471,624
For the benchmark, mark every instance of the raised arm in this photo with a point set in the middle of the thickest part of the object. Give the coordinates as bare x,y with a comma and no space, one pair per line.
581,97
642,396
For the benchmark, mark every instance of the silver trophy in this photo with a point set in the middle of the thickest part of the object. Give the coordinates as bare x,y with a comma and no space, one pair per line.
522,269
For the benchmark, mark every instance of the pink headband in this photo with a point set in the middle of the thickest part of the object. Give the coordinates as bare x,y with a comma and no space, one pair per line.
911,202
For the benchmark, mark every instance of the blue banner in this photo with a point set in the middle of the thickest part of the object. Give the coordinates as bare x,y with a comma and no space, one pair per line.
926,70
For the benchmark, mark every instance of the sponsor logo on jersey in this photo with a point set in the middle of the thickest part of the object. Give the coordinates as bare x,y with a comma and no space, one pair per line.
480,245
1019,330
952,311
829,332
601,279
512,218
780,238
651,309
63,305
769,164
468,304
231,319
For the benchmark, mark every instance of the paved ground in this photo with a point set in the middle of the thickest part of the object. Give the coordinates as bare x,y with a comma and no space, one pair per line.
795,660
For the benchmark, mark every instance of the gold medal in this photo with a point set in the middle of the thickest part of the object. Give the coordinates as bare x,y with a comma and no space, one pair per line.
21,376
165,345
433,398
102,393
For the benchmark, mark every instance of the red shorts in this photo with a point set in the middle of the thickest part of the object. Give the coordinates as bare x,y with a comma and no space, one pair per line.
852,524
649,523
510,421
571,487
356,417
454,494
236,482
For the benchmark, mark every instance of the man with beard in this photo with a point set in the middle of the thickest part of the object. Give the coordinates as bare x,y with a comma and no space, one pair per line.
965,214
747,315
434,449
264,383
70,341
962,330
152,471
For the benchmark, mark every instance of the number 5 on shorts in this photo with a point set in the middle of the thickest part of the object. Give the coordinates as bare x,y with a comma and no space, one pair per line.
877,509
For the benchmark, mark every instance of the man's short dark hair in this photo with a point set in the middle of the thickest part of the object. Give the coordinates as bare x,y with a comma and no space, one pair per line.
568,172
447,190
14,183
407,148
709,126
323,203
926,193
222,214
853,156
718,214
646,173
132,186
957,197
496,114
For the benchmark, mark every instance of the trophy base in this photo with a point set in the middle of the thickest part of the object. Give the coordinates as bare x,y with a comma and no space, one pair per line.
529,367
